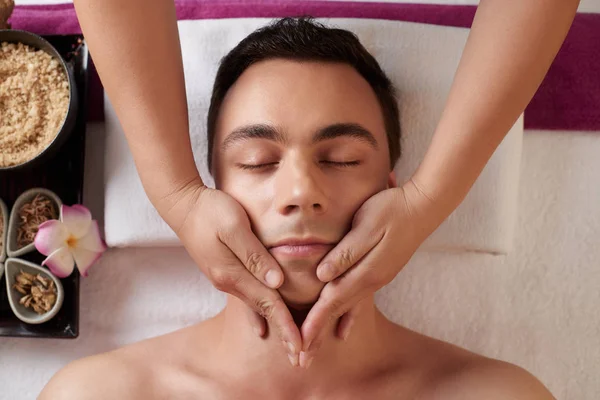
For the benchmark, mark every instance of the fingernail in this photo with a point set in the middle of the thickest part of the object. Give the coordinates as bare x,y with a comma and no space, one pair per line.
273,278
307,347
347,332
325,272
305,360
293,360
291,347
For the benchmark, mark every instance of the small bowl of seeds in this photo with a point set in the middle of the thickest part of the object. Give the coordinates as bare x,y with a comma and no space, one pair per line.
34,294
38,99
31,209
3,230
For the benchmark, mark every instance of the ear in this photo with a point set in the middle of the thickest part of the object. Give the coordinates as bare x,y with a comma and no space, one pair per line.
392,180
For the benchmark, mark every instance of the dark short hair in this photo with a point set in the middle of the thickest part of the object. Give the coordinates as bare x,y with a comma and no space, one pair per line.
303,39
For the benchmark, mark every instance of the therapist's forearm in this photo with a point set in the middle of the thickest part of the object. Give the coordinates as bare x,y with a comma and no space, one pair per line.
509,51
135,47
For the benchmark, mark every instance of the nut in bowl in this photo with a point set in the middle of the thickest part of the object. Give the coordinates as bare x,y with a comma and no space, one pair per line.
34,294
38,99
31,209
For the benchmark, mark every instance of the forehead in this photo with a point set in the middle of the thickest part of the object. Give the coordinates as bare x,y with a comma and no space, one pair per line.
300,97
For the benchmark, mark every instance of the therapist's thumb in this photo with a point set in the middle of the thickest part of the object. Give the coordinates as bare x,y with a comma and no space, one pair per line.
347,253
242,242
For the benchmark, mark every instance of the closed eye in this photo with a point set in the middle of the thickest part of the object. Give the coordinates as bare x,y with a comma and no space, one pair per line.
340,163
255,167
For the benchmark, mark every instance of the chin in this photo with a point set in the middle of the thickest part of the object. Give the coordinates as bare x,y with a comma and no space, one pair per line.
301,287
300,301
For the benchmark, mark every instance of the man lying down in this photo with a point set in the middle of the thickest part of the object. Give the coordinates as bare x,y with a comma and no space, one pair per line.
303,128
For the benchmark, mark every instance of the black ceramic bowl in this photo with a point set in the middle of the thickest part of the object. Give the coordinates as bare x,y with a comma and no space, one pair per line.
68,124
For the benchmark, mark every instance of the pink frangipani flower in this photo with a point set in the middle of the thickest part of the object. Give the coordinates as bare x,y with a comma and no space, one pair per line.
75,239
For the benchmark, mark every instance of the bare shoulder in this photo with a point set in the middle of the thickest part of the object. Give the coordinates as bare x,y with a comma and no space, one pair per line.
449,372
147,369
109,375
484,378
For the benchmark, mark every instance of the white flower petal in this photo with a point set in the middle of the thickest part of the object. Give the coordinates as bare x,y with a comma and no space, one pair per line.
92,240
51,236
77,219
85,259
60,262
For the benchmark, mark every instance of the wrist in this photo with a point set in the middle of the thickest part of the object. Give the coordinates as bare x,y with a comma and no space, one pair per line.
175,201
430,211
445,189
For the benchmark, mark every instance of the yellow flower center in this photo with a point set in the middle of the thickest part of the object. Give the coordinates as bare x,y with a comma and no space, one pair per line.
72,241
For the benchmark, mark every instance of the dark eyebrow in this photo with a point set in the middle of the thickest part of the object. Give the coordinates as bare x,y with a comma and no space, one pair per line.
345,130
257,131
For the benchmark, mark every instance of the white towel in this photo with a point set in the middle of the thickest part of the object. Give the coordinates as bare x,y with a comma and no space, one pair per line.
421,61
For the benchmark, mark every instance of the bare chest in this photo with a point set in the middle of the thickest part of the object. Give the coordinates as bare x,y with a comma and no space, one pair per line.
383,389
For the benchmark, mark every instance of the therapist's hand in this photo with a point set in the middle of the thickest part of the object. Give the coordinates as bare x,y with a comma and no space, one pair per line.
386,231
216,232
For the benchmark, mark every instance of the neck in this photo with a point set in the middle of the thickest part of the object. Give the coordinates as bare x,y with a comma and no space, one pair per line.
240,346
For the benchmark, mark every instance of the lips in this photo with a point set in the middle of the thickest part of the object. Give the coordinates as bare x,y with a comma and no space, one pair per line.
301,248
300,242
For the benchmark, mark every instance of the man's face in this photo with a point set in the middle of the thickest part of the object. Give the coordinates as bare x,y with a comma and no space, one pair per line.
300,145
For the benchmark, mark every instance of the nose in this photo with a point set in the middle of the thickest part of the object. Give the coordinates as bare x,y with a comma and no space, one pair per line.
300,188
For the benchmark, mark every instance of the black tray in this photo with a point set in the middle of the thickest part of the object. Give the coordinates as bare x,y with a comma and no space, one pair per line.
63,174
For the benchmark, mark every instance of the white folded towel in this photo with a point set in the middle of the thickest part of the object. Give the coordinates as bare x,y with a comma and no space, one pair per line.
421,61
